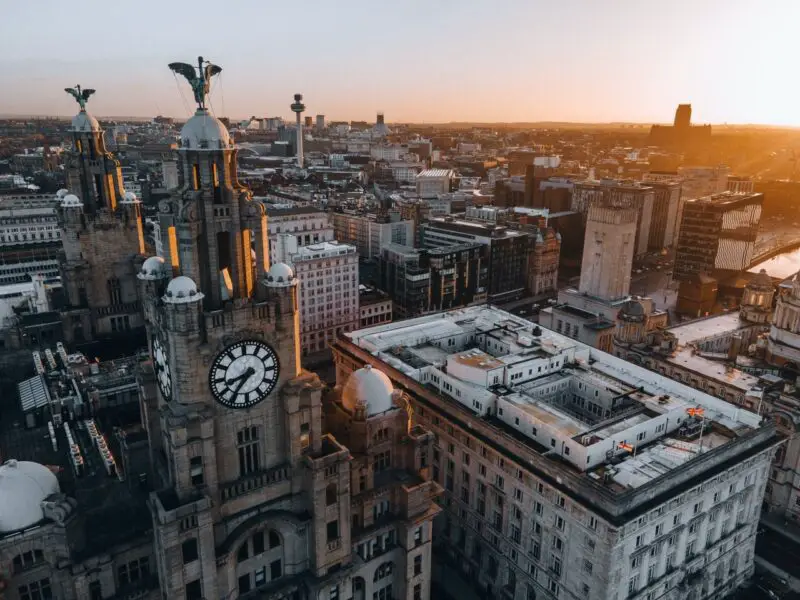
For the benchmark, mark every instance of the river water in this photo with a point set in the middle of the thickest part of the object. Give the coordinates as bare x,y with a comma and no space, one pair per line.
782,266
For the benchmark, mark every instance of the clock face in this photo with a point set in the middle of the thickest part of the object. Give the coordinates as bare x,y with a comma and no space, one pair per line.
161,364
243,374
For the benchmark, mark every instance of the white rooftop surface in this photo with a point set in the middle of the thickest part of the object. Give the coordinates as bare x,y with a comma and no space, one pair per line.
321,249
15,289
434,173
710,327
714,370
545,413
660,458
541,404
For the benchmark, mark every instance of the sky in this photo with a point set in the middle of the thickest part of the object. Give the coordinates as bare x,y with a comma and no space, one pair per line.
735,61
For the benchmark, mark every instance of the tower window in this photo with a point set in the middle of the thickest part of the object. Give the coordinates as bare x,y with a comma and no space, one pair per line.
196,177
196,470
190,551
330,494
274,540
224,258
194,590
215,183
114,291
382,461
98,188
258,543
248,451
333,530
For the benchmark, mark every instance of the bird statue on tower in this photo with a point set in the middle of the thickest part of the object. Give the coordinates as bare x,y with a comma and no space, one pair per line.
81,96
198,77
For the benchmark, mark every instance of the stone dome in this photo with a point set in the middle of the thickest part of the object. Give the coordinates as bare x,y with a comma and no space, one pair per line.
153,268
204,132
761,281
371,387
129,198
280,275
23,487
71,200
632,310
83,121
182,290
61,193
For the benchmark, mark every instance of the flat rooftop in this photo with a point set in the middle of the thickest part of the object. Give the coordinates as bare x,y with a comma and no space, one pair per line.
600,415
435,173
323,250
695,332
725,199
710,327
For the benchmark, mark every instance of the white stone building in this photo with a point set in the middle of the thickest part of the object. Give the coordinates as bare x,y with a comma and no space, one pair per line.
608,252
328,292
369,234
28,220
432,182
308,224
783,345
570,473
30,237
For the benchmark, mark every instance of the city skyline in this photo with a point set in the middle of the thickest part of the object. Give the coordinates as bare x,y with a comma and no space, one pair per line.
524,62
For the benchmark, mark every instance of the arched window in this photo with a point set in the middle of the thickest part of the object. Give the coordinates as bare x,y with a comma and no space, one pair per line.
384,570
26,560
274,539
330,494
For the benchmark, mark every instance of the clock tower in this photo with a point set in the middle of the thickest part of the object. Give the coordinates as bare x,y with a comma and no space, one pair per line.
230,414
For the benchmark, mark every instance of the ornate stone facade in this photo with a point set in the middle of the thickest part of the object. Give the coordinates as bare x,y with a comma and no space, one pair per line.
783,345
103,240
254,495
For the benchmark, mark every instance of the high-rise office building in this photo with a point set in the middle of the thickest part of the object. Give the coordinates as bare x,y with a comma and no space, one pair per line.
370,232
664,219
612,192
420,281
717,234
327,273
608,252
508,254
698,182
308,224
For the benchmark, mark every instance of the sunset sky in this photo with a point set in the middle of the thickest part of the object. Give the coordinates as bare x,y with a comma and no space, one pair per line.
735,61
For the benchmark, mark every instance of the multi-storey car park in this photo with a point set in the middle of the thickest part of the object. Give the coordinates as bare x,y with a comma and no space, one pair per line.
570,473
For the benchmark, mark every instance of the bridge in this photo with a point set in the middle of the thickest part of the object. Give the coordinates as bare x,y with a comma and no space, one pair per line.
772,245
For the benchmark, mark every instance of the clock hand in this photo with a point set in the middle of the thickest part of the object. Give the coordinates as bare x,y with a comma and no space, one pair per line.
243,379
247,375
244,375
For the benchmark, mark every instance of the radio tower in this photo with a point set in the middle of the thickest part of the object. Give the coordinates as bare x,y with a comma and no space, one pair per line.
297,108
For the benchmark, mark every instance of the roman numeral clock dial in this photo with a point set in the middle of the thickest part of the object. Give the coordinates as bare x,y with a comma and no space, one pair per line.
162,370
243,374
